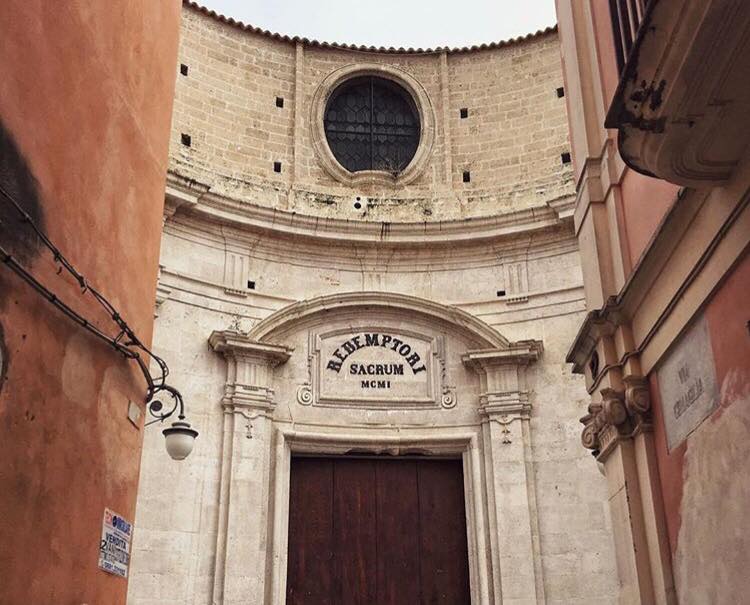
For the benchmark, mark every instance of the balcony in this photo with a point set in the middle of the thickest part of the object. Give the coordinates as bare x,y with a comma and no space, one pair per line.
682,105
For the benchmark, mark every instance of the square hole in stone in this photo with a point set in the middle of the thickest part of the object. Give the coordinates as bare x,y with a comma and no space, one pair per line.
501,292
560,92
279,101
277,166
185,139
251,285
565,157
464,113
467,176
183,69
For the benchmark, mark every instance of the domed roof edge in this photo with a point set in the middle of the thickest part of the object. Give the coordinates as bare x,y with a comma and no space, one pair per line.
361,47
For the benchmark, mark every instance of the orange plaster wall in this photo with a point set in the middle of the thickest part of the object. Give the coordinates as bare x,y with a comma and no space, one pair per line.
86,96
670,465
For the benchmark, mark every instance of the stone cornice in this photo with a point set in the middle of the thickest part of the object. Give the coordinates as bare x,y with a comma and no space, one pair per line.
194,198
640,285
236,344
597,324
502,372
249,370
517,353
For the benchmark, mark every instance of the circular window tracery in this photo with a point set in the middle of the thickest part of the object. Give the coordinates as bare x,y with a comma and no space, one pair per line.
408,88
372,123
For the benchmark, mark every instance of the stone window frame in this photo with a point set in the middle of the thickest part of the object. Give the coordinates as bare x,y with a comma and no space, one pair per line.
381,177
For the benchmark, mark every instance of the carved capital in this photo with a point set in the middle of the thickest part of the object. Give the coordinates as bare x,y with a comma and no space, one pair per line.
504,396
249,368
619,415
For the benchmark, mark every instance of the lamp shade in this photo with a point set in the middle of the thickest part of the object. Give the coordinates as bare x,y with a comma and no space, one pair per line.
180,438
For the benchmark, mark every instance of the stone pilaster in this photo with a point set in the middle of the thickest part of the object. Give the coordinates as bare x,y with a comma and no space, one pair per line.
618,431
246,465
511,495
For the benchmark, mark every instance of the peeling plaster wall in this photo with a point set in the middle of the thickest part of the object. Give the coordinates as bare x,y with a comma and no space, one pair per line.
710,561
705,483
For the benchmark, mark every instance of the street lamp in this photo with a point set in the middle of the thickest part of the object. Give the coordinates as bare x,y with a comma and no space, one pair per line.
180,437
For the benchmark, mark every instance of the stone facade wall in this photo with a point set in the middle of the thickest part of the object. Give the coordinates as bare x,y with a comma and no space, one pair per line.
244,246
176,548
511,141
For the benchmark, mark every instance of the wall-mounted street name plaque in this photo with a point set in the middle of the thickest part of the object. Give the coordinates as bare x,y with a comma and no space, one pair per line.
376,367
687,382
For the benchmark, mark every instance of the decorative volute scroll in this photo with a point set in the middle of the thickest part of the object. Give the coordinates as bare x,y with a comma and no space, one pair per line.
620,414
502,375
249,368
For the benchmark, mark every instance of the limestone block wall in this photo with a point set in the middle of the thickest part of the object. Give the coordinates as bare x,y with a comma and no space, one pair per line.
511,141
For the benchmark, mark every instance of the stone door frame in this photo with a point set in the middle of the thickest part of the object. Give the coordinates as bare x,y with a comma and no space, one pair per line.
449,442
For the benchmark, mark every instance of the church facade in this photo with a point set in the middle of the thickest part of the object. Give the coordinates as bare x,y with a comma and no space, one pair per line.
369,281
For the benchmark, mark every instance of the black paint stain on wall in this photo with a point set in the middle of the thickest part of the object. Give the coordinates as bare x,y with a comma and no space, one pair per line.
17,179
16,236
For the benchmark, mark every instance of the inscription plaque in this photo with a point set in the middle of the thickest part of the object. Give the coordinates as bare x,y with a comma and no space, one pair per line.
376,367
687,381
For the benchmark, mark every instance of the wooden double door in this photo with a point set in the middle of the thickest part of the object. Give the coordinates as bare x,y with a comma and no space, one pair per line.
377,531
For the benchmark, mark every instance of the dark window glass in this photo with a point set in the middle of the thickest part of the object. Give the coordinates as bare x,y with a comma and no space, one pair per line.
372,124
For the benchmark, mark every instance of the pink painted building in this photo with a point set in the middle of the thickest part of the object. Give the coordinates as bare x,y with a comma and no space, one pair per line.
658,108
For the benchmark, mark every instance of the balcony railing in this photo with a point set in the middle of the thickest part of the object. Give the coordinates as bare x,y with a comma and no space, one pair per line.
627,16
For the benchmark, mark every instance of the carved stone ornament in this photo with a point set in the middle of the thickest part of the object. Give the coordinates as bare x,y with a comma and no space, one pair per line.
620,414
304,394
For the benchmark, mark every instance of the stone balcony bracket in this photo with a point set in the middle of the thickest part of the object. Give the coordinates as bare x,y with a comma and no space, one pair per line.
681,104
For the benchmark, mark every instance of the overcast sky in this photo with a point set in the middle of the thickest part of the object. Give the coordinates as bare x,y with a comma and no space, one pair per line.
417,23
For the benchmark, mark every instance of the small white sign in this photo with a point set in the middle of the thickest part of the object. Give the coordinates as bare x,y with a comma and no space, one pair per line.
114,549
687,380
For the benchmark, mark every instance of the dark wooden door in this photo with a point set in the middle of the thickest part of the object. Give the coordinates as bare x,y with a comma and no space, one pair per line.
377,532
